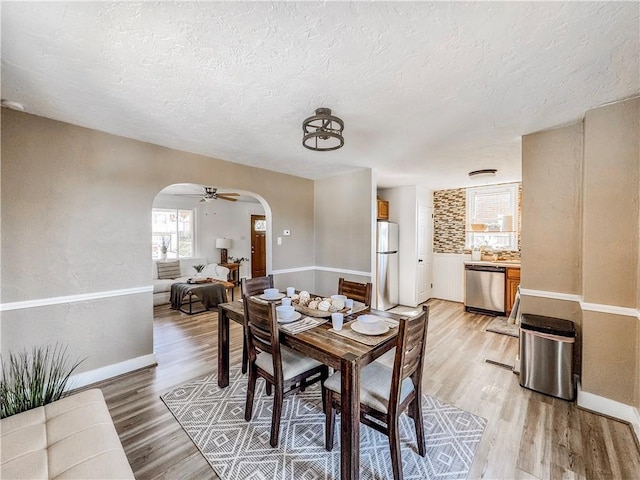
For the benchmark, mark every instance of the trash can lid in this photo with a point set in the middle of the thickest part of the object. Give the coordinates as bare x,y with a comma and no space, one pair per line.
550,325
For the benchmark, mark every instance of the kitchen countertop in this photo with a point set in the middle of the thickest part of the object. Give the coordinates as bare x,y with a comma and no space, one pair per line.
497,263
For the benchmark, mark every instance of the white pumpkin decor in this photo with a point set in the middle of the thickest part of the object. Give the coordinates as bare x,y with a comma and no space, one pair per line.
324,306
304,295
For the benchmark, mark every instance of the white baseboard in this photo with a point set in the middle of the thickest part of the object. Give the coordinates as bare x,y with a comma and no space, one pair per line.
611,408
103,373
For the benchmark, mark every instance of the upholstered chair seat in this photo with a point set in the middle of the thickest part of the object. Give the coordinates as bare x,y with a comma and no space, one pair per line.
293,363
375,386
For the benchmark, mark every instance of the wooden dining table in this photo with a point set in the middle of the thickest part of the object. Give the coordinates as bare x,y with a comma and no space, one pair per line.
341,353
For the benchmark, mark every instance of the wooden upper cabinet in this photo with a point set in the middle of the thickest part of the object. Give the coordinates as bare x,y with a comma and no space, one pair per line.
383,210
513,280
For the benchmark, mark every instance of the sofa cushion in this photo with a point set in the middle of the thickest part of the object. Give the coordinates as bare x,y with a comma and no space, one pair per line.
216,271
162,286
168,270
71,438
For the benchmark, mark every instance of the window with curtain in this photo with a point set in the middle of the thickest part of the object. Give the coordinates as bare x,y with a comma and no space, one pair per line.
173,229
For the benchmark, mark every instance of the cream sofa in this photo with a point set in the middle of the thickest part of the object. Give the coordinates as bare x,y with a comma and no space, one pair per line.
71,438
162,287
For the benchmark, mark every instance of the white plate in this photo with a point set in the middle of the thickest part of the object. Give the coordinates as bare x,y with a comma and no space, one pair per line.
370,328
293,318
369,319
275,297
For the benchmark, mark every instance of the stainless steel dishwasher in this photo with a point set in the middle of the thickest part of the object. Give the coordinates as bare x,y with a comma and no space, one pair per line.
484,289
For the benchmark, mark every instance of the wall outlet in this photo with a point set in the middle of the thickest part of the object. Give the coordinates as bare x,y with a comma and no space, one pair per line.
286,233
279,240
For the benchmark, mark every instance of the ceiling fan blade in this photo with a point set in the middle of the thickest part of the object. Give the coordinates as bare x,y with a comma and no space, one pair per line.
202,200
229,194
223,197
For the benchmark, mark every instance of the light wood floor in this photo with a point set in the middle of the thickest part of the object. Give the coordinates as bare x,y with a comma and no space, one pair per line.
528,435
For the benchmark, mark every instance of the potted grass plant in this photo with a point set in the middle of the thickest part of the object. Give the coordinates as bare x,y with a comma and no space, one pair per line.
35,378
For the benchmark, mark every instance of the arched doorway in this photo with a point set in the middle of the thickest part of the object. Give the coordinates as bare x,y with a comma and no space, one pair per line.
198,221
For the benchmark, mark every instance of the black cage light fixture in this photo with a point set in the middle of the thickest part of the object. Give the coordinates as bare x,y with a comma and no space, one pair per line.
323,131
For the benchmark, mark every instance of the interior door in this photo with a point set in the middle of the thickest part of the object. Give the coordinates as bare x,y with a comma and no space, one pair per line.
424,240
258,246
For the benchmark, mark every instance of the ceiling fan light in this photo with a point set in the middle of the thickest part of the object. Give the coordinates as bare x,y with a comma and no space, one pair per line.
323,131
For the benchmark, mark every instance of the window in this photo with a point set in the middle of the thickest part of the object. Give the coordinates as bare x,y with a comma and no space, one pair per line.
492,217
172,228
260,225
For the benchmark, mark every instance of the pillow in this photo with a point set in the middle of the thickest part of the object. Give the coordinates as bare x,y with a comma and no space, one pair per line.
168,270
211,270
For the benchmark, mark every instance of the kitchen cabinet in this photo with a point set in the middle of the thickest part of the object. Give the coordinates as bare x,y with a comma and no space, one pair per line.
512,283
383,210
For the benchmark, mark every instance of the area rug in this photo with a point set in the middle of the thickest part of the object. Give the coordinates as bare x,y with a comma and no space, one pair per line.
502,326
238,450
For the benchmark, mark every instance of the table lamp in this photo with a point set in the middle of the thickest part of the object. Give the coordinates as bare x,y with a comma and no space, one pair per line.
223,244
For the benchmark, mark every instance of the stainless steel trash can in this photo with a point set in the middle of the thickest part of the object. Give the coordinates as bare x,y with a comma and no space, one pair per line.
546,355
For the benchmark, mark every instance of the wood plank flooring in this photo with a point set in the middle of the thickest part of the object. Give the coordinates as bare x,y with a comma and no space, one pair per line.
528,435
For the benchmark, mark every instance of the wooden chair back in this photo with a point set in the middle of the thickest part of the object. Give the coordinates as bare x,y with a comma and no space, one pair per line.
360,292
410,350
256,286
262,332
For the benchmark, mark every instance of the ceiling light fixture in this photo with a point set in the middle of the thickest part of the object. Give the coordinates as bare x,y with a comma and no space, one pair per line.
323,131
12,105
487,172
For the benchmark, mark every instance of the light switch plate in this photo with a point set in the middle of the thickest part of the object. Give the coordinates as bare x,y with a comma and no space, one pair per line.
279,240
286,233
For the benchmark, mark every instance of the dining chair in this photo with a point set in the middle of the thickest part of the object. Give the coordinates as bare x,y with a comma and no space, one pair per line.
256,285
282,368
385,393
360,292
250,287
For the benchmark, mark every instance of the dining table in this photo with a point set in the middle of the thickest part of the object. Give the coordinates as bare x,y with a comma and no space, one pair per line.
335,350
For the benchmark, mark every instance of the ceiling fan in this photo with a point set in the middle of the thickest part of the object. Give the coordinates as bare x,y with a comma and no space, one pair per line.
210,194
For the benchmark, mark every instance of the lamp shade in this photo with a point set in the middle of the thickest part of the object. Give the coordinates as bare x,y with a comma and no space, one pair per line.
223,243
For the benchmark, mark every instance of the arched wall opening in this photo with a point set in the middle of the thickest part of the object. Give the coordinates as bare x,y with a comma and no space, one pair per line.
204,220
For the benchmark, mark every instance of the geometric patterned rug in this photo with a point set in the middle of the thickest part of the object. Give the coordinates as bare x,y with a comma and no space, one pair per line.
213,418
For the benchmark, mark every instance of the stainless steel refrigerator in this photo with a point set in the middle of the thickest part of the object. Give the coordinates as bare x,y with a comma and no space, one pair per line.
387,266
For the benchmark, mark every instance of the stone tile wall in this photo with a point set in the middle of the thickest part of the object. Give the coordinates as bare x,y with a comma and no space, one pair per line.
449,222
449,214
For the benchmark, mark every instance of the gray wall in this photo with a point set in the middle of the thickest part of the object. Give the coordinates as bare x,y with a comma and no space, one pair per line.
581,237
344,223
610,245
76,219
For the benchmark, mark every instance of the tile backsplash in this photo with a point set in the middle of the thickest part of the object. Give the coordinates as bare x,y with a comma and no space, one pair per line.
449,222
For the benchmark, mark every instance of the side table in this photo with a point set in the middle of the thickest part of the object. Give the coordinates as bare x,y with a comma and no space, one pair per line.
234,272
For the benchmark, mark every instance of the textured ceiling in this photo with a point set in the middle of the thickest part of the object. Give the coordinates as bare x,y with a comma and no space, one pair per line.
427,91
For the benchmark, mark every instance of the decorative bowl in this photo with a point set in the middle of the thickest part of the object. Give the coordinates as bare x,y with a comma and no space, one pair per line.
285,312
271,292
478,227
